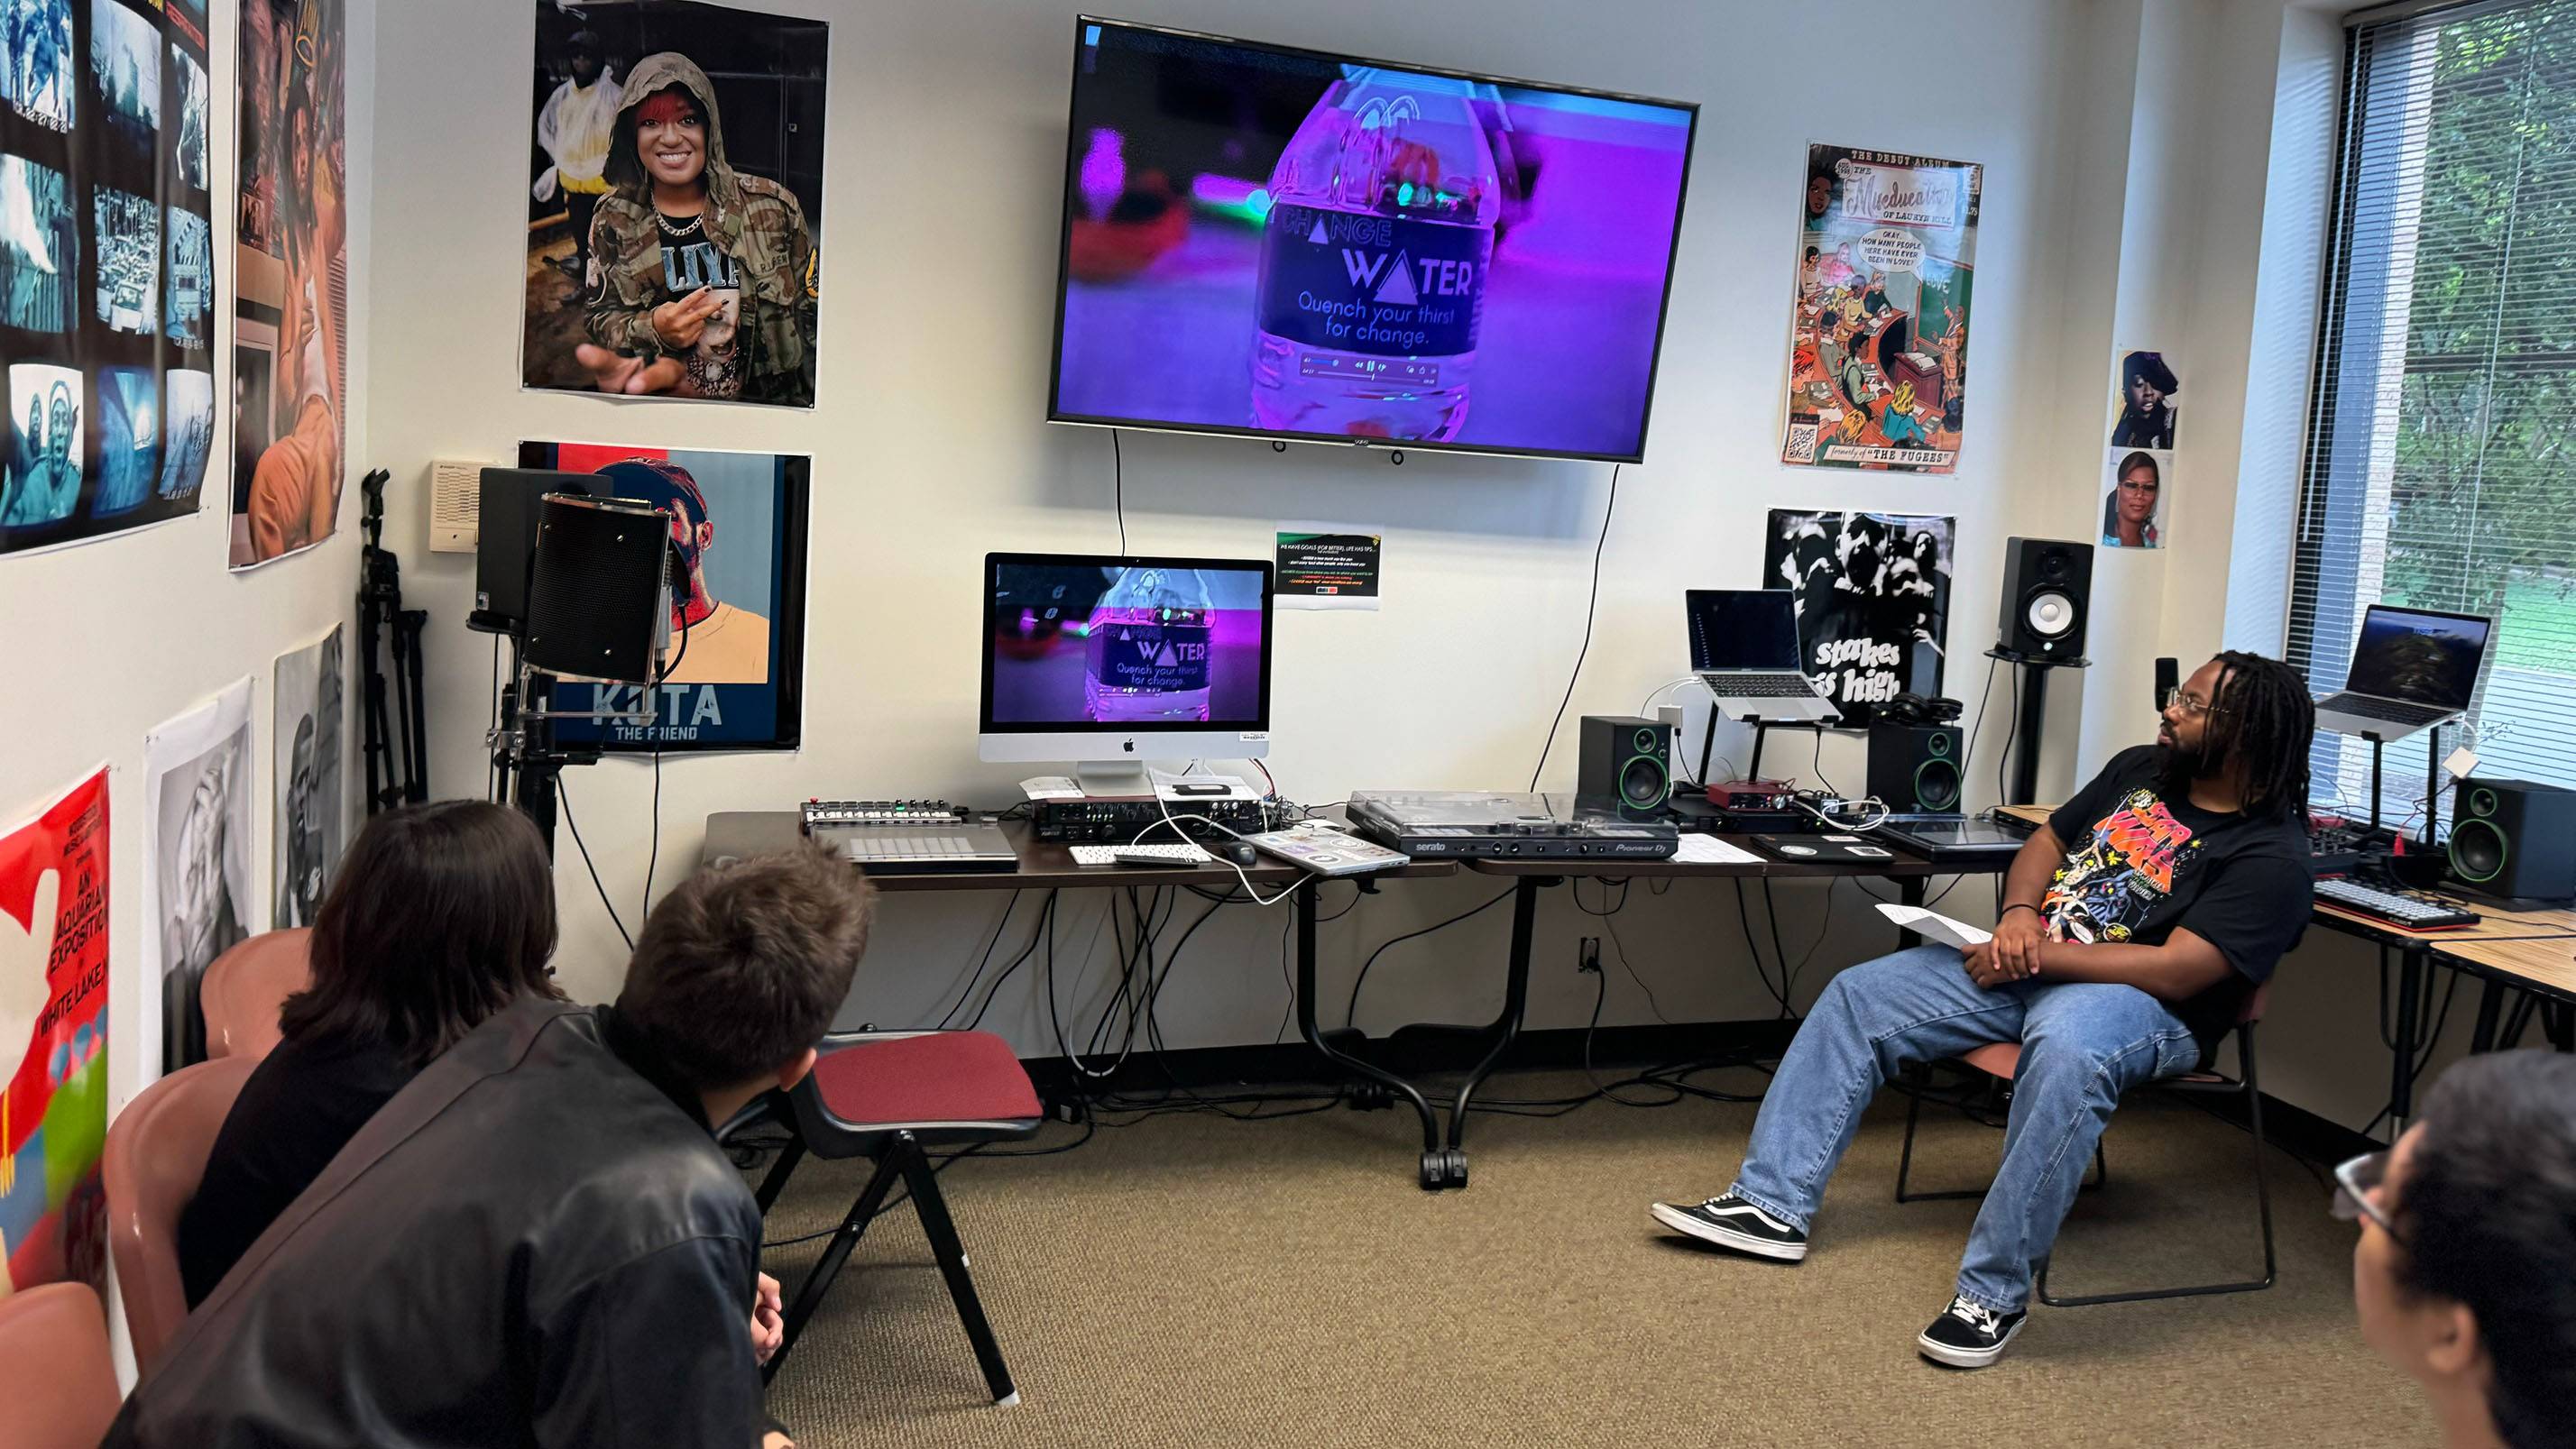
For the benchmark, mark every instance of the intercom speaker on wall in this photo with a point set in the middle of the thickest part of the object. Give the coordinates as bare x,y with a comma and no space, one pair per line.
455,500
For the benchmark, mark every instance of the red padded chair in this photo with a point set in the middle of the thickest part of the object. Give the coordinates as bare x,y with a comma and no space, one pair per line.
246,986
2002,1059
156,1155
890,1096
62,1383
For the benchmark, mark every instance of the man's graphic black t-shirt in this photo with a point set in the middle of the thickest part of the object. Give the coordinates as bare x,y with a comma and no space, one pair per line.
2139,864
690,261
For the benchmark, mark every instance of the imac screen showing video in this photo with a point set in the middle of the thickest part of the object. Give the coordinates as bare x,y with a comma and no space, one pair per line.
1125,644
1294,244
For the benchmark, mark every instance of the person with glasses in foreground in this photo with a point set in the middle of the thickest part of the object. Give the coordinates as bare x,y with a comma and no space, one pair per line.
2135,924
2465,1274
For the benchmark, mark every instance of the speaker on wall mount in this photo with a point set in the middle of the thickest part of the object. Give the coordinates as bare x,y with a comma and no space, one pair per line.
598,598
2048,590
1914,769
1627,761
2515,839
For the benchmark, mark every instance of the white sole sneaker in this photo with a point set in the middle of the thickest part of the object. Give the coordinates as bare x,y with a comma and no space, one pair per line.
1724,1237
1967,1358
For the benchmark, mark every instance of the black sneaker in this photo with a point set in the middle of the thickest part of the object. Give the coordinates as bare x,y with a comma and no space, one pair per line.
1970,1336
1731,1222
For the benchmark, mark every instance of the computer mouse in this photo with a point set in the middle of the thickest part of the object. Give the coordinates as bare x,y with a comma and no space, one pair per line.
1243,855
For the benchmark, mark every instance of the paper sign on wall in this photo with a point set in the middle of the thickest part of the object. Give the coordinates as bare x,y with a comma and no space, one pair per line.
1327,568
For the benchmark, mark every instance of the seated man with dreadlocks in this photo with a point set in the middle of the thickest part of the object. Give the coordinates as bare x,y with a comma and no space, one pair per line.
2134,926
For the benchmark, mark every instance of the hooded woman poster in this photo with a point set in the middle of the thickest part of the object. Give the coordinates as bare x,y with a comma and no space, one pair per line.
696,272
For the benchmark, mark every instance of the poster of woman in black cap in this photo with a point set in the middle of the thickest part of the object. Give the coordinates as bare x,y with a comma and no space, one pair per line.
2147,388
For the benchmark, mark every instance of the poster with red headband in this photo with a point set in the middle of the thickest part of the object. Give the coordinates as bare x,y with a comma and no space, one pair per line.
675,202
733,675
53,1043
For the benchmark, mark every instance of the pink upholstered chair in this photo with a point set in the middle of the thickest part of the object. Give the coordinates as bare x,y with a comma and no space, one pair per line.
156,1155
62,1384
2002,1059
888,1096
245,987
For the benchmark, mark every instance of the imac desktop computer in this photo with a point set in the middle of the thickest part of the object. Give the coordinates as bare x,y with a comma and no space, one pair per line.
1110,662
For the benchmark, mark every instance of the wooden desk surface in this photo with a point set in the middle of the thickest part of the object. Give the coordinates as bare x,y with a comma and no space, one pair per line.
2550,964
1900,864
1044,865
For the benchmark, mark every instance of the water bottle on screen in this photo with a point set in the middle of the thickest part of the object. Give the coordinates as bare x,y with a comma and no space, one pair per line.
1148,650
1374,258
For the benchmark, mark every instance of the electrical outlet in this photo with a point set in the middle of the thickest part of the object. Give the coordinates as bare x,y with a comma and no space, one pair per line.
1589,958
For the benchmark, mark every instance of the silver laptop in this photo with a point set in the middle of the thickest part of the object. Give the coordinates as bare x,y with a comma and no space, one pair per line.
1744,647
2412,669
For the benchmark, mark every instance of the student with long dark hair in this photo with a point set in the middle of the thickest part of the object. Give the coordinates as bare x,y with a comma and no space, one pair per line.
442,915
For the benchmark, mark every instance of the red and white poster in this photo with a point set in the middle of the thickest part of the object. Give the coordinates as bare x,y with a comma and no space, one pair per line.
53,1042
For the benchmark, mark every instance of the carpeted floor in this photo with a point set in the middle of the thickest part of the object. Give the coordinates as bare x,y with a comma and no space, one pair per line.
1193,1281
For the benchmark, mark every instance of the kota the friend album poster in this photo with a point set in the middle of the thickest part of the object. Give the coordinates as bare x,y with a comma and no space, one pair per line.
53,1043
292,273
735,668
106,269
197,899
675,206
1873,602
1878,352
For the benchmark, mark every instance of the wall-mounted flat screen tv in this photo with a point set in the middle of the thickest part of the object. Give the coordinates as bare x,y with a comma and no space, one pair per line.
1290,244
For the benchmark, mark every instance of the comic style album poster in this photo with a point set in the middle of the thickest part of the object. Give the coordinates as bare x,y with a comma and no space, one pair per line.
290,321
309,828
106,271
1878,354
53,1043
675,202
1873,602
735,667
196,862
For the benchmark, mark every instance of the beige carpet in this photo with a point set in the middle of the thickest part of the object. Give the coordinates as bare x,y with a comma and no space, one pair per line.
1192,1281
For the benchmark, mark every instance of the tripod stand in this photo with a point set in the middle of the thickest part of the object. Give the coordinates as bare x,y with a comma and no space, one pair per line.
392,779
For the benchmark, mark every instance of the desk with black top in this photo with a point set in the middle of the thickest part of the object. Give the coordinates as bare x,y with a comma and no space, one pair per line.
1046,865
2507,949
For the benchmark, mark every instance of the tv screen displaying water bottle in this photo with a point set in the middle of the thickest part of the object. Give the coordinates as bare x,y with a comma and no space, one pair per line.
1126,644
1292,244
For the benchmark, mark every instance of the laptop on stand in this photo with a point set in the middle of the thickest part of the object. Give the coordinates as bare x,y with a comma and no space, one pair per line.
2411,669
1744,647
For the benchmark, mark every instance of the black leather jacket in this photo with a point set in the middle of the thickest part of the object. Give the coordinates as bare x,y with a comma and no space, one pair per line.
537,1242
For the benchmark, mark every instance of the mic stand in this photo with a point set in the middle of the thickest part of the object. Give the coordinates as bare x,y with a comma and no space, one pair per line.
527,762
394,711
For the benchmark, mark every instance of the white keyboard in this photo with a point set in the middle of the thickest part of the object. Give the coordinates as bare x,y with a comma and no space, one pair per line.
1183,854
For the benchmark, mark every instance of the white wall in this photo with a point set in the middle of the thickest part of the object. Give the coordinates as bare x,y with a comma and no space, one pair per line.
2125,188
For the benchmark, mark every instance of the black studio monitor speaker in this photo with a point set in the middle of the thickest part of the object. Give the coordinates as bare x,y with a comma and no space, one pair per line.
1627,761
2515,839
2048,591
598,601
1914,769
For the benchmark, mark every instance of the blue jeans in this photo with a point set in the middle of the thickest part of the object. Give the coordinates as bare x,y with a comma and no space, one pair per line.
2082,1046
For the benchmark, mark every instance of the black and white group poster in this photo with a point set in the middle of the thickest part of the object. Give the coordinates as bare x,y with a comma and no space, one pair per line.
106,267
1873,601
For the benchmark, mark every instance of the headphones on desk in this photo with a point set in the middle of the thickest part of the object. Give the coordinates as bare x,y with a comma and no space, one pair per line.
1916,709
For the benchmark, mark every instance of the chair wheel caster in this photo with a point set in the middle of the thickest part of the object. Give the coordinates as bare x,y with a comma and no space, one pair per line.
1435,1171
1455,1160
1369,1096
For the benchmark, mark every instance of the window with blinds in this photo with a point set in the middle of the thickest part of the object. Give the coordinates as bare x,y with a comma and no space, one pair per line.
2441,461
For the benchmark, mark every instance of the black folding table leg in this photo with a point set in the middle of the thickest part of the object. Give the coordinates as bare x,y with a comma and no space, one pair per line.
2412,963
809,1294
1507,1027
1433,1177
951,1253
2518,1020
2490,1007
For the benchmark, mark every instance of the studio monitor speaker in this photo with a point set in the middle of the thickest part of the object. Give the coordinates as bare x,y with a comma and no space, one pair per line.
2514,838
1627,761
1914,769
2048,589
598,600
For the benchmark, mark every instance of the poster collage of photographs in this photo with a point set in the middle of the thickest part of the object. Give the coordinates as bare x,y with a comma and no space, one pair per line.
107,274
